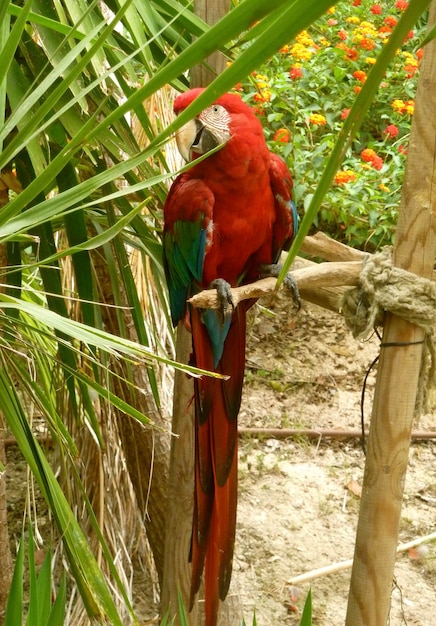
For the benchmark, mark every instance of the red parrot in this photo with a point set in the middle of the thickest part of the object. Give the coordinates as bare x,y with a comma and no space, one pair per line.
226,221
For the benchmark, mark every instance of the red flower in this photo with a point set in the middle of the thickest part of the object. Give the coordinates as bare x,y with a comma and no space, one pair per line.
357,3
345,113
332,22
391,131
420,54
376,9
410,35
402,149
357,89
377,163
295,72
401,5
391,21
343,35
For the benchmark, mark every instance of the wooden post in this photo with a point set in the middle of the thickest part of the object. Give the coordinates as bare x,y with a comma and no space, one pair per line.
177,571
398,371
210,11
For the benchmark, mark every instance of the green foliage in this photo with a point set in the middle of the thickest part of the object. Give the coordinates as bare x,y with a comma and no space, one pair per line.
306,617
305,93
43,606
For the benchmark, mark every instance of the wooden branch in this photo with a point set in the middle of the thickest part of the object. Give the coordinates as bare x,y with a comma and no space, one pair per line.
341,565
320,433
320,245
307,278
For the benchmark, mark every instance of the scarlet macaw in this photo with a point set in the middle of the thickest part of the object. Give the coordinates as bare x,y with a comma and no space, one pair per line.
226,220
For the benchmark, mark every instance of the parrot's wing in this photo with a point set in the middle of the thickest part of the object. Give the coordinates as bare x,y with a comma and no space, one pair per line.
188,213
286,222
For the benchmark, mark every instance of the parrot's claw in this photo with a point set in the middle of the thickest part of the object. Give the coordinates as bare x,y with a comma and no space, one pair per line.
289,281
224,295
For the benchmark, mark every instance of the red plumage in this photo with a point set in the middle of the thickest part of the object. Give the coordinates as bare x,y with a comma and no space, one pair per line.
225,218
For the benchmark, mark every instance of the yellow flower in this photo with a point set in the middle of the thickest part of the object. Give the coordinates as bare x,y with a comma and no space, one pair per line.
410,59
384,188
370,60
317,119
305,39
331,10
301,52
324,42
353,19
398,105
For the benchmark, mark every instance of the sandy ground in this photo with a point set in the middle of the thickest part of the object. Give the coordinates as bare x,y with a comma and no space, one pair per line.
299,500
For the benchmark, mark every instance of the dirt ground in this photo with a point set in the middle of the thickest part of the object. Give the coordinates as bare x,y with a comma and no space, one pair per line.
298,498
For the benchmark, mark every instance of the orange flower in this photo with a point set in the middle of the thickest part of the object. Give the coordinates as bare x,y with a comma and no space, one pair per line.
360,76
344,176
410,70
368,155
283,135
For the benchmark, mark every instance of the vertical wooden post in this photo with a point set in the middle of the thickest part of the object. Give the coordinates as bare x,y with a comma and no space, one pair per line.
177,571
210,11
398,372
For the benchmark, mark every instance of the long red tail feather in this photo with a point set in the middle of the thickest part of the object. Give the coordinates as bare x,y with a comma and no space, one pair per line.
217,405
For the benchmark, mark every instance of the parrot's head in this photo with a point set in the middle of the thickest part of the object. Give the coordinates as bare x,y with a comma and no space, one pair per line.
210,128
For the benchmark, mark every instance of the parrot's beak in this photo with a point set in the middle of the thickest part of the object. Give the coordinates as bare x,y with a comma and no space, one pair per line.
194,139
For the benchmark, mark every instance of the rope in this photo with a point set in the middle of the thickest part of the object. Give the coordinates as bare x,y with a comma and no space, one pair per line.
384,287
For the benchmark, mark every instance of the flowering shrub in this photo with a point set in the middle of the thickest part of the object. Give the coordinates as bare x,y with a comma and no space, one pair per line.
304,94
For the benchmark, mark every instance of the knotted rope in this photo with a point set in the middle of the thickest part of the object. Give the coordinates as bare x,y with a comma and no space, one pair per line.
384,287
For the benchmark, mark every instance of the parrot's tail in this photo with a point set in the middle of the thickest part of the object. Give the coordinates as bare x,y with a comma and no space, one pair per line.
217,403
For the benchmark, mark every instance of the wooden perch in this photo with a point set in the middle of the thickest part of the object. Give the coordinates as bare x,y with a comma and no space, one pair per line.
319,283
308,279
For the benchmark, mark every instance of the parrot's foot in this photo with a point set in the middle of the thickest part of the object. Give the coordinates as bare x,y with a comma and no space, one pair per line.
224,295
289,281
